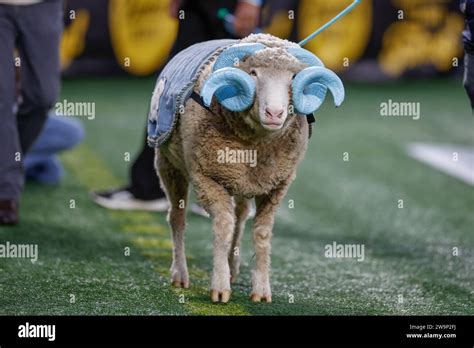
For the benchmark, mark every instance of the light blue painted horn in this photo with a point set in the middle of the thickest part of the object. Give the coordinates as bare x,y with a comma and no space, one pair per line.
308,87
234,54
233,88
305,56
319,91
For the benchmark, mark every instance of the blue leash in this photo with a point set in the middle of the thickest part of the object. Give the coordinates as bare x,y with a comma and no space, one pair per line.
331,22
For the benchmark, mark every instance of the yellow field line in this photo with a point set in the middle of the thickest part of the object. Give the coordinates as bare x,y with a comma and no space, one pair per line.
145,232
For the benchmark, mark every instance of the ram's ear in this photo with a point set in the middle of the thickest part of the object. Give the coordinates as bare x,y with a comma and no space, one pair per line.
310,86
233,88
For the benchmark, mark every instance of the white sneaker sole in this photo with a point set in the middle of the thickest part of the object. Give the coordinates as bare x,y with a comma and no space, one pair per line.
158,205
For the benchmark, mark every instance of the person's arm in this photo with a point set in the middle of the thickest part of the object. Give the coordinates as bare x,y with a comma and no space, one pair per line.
247,16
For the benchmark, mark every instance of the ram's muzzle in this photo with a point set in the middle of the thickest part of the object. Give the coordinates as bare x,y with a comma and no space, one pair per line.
235,89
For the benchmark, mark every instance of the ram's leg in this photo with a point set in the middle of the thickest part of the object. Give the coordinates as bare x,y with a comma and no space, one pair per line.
175,185
242,208
218,203
262,234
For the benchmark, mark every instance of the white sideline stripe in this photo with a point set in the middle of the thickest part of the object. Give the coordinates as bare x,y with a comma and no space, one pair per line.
440,156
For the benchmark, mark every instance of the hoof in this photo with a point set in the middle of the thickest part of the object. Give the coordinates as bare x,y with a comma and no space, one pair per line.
258,298
178,284
223,296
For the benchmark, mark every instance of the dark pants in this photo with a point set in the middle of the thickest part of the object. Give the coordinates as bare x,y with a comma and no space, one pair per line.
201,24
469,76
35,30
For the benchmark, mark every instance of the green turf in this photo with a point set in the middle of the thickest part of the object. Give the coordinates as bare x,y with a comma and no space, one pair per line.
408,251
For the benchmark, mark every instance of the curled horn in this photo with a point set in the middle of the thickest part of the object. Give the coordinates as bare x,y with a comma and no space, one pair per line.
309,89
233,88
232,55
305,56
316,89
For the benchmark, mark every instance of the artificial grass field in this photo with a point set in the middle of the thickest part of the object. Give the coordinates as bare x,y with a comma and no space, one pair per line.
408,251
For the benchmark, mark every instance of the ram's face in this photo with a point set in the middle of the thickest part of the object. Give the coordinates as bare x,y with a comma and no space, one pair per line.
272,72
273,97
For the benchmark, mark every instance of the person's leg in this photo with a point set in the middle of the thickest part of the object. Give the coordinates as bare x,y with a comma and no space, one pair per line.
59,133
44,169
40,27
469,76
11,173
145,184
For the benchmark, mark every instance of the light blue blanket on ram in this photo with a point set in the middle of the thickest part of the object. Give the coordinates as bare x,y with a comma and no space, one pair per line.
175,85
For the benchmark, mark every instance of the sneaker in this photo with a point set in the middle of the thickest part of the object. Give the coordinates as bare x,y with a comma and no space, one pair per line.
123,199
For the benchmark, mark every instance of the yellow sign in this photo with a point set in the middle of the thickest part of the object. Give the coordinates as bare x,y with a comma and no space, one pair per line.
142,34
344,42
73,40
426,33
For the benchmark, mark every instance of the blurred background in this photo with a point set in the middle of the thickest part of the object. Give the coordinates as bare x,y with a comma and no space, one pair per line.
380,40
401,186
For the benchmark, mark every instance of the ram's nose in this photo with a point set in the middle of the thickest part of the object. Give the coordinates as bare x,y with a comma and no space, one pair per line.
273,113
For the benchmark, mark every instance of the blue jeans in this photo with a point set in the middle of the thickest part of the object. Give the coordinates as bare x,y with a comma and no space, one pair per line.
58,134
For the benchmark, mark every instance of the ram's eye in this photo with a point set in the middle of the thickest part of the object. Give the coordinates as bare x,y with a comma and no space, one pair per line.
293,77
253,72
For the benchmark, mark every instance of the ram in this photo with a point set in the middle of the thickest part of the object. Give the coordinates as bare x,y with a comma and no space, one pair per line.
249,95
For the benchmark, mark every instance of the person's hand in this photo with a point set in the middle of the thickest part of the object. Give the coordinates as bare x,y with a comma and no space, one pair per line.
246,18
173,8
